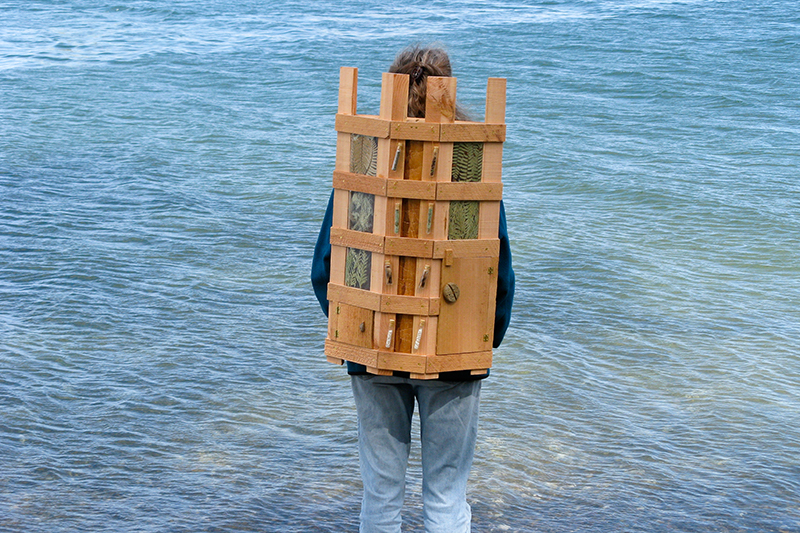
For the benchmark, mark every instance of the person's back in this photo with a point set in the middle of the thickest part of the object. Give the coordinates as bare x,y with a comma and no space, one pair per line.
448,407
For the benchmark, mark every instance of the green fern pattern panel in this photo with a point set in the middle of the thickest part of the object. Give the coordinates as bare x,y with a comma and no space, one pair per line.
357,268
467,167
467,162
463,220
362,211
363,154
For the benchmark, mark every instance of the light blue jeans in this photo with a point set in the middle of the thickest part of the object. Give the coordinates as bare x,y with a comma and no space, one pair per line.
448,429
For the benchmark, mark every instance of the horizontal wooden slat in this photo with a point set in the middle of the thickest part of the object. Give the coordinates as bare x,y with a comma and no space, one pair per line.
408,247
422,190
352,296
375,126
402,362
348,352
417,131
405,362
359,182
405,305
469,191
461,361
363,125
357,239
472,132
467,248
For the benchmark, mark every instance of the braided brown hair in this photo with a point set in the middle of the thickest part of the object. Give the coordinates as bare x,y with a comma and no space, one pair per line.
419,63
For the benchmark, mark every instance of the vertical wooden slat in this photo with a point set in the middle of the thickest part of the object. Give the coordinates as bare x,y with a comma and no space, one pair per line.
489,220
495,114
348,94
495,101
440,106
440,100
348,90
394,106
394,96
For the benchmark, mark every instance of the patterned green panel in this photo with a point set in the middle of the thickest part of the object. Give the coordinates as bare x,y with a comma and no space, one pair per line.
363,154
362,211
357,268
467,161
463,220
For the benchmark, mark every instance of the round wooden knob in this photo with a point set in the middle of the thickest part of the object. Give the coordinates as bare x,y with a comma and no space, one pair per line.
451,292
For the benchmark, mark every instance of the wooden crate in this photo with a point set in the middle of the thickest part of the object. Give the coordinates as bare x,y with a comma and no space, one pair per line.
414,240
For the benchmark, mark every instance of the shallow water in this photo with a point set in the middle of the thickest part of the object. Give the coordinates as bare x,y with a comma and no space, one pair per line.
164,168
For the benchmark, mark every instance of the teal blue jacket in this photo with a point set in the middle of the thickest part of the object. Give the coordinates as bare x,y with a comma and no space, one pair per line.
321,274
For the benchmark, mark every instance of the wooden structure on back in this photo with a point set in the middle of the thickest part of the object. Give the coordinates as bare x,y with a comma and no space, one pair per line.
414,240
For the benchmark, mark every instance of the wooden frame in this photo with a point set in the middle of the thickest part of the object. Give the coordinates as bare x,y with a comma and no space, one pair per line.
431,300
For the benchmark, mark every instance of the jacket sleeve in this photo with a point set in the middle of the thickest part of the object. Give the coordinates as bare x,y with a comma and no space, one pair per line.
505,283
321,264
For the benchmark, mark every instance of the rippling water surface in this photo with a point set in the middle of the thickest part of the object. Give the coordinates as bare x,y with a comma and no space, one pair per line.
164,167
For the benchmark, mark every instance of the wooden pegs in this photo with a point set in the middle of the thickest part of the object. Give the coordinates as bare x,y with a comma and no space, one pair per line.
390,334
429,225
434,160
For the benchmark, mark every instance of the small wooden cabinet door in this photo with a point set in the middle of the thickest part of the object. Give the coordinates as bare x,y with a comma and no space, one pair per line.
351,325
467,325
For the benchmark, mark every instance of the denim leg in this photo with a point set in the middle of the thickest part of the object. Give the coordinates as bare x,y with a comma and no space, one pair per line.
449,428
385,406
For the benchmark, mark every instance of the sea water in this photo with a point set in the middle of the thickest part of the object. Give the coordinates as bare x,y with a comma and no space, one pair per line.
164,168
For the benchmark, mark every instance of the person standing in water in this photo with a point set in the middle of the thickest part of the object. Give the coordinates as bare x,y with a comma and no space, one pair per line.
448,406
